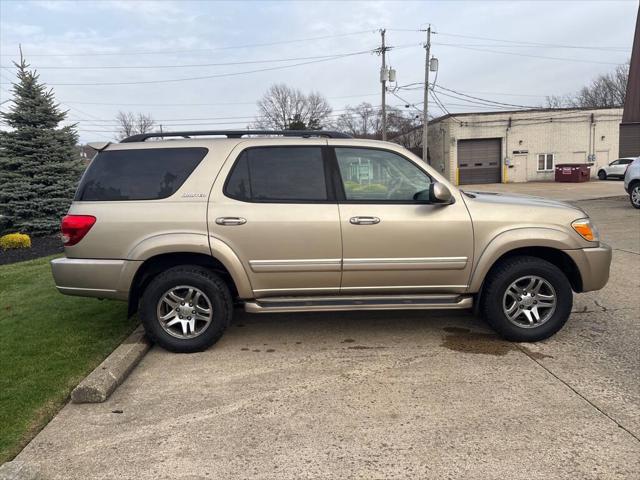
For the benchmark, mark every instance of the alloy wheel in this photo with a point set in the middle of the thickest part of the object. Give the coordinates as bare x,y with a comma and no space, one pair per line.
635,196
529,302
184,311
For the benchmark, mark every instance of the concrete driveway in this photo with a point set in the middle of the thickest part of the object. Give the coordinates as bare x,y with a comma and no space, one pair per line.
379,395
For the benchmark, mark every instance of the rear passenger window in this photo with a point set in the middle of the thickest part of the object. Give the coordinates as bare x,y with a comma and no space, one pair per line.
278,174
148,174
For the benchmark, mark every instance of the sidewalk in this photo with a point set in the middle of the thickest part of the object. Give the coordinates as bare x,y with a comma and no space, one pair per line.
568,192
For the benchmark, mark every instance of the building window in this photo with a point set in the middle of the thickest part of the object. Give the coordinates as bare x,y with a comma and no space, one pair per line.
545,162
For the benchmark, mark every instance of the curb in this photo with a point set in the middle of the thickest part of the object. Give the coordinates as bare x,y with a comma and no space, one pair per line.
101,383
16,470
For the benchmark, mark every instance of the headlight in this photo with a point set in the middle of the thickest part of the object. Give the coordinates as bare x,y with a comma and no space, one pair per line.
586,229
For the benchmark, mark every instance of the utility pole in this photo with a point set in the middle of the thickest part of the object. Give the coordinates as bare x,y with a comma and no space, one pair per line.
383,79
425,120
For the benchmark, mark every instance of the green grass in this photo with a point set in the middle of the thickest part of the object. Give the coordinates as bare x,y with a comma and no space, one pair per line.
48,343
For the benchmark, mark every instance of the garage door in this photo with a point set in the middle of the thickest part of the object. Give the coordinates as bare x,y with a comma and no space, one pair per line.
479,161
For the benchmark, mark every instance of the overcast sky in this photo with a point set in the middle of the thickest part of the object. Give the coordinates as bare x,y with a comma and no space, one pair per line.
171,34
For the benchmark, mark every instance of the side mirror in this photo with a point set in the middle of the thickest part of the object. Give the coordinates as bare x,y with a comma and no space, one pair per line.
436,193
439,193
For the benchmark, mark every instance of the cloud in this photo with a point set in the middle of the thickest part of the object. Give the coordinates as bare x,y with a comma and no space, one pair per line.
19,29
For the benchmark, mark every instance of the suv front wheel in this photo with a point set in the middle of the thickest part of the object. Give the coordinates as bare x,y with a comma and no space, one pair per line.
186,308
634,194
526,299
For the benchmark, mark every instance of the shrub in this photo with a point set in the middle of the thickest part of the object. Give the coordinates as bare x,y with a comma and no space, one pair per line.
15,240
371,188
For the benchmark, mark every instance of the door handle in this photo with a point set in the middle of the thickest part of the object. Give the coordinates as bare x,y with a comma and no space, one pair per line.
364,220
231,221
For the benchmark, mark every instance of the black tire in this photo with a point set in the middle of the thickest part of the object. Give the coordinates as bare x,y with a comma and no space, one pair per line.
634,190
602,175
503,275
207,282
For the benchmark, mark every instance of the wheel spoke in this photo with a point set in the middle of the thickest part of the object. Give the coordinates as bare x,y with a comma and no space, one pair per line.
168,316
527,313
537,284
173,296
189,296
536,314
173,322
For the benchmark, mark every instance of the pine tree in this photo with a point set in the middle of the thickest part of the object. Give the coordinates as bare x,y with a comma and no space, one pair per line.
39,163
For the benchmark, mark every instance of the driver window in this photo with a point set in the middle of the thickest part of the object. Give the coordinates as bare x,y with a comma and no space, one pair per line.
378,175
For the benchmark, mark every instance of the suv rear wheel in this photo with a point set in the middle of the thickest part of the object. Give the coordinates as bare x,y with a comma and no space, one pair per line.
526,299
186,309
602,175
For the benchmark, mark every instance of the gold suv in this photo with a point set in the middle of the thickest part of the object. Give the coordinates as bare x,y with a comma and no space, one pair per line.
313,221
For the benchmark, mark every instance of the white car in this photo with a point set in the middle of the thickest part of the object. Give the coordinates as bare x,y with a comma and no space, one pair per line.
632,182
615,169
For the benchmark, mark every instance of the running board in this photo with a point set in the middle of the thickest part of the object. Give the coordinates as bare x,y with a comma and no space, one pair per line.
364,302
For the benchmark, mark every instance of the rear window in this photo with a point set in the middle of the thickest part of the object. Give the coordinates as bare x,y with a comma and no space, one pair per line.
278,174
148,174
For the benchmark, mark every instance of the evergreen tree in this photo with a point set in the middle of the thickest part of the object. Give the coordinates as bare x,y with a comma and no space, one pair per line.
39,163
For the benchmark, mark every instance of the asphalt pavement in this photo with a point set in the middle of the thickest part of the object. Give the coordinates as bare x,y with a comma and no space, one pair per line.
379,395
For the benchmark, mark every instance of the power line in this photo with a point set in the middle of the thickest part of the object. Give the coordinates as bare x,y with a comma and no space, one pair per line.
199,65
219,75
483,99
209,121
536,44
564,59
205,77
219,104
170,52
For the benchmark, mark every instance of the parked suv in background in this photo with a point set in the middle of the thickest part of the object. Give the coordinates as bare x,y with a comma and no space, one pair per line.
615,169
313,221
632,182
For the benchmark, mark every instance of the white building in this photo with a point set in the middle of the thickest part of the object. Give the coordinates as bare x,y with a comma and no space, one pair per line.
522,146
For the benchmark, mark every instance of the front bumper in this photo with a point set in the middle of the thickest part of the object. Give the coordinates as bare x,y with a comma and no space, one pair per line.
94,277
593,264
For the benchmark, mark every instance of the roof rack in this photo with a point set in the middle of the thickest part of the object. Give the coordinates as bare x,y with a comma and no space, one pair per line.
141,137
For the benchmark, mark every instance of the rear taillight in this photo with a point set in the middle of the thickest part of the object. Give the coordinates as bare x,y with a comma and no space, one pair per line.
75,227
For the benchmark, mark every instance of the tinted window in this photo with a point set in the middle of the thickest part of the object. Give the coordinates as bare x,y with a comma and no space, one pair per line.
280,174
147,174
378,175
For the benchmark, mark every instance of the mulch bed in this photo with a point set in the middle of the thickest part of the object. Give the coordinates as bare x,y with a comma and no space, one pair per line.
40,247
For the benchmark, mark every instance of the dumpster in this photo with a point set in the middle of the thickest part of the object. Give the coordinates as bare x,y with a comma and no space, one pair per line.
572,172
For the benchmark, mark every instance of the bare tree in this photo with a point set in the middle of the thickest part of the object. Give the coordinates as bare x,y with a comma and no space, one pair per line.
365,121
362,121
607,90
558,101
283,107
132,124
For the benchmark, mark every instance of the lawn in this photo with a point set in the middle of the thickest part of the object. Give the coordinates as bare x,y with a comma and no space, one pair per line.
48,343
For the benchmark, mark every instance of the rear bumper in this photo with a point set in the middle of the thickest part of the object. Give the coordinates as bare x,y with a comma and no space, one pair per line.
594,265
93,277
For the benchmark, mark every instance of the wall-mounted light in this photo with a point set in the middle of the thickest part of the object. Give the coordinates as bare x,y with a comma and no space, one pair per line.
602,138
519,142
